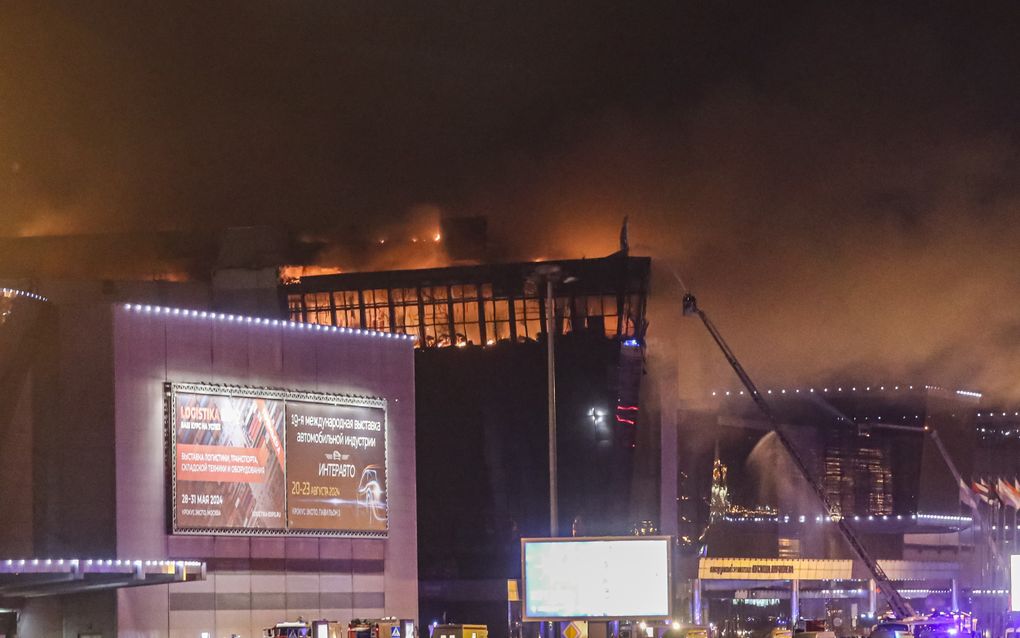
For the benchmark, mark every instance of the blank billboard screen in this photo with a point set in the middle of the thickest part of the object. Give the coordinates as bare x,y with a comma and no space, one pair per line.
1014,582
593,578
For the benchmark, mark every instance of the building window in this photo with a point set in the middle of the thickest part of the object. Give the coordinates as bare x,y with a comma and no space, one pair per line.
466,325
377,309
497,316
600,312
528,318
348,308
436,321
406,317
497,320
563,315
317,308
631,315
295,308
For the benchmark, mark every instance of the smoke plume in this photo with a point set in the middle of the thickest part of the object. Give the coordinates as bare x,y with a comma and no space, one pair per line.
837,183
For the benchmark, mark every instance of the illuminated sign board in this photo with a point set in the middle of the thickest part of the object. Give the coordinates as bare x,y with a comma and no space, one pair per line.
276,461
596,578
774,569
1014,582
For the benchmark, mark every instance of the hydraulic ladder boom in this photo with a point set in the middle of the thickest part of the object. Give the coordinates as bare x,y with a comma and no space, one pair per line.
899,605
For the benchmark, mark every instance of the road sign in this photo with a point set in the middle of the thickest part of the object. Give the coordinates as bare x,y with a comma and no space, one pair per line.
576,629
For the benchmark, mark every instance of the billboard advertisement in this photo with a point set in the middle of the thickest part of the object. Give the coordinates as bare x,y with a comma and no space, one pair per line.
336,467
274,461
229,462
596,578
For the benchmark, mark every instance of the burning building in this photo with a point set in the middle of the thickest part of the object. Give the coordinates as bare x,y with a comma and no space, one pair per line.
480,368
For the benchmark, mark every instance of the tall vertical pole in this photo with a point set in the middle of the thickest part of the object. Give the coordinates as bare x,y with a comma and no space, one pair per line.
794,604
550,321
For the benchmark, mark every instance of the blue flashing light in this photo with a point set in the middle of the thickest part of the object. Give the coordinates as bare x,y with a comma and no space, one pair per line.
631,343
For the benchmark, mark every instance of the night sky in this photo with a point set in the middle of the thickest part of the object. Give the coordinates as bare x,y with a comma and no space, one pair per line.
838,181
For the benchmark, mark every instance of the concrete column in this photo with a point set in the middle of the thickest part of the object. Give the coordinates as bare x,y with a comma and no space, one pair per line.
872,598
794,603
696,601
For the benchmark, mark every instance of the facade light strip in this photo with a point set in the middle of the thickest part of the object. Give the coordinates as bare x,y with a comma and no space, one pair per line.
848,389
261,321
14,292
858,518
18,564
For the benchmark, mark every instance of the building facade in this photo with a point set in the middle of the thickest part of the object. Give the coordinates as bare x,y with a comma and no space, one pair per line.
129,428
871,450
481,374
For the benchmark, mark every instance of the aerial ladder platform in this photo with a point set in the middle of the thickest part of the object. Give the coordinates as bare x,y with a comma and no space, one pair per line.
899,605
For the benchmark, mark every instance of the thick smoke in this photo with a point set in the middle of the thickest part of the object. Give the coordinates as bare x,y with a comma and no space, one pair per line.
879,261
838,184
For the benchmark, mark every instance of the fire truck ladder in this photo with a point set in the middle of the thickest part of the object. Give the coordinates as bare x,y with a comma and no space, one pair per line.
897,602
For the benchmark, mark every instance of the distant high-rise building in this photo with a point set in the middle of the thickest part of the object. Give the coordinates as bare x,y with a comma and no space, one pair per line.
719,502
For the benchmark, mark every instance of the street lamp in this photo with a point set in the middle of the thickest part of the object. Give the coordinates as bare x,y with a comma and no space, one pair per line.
551,273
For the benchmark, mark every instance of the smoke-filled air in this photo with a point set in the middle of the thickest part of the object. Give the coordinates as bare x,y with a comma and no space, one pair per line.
843,197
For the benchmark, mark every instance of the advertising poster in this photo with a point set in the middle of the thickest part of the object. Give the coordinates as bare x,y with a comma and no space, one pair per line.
336,467
229,462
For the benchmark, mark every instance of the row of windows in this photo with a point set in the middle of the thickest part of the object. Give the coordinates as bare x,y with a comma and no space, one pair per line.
463,314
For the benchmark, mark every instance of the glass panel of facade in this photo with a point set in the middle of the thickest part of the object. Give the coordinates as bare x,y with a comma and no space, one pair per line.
436,321
466,324
528,316
405,311
317,308
563,321
609,313
497,320
294,308
348,311
377,309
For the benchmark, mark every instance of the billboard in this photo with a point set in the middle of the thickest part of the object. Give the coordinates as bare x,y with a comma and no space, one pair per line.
596,578
336,467
268,461
1014,582
229,462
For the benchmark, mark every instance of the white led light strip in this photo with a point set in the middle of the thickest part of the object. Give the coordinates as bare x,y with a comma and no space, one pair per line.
260,321
13,292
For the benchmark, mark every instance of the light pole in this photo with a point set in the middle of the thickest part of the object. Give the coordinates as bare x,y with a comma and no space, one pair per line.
551,273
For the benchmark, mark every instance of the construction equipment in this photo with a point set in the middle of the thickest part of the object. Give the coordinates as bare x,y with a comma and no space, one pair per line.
897,602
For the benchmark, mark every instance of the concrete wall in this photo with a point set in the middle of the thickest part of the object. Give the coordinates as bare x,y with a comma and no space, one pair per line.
70,616
256,581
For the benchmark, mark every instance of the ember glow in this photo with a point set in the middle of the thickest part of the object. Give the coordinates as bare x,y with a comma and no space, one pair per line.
290,274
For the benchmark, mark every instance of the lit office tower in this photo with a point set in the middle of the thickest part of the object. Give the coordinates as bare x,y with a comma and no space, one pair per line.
858,477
